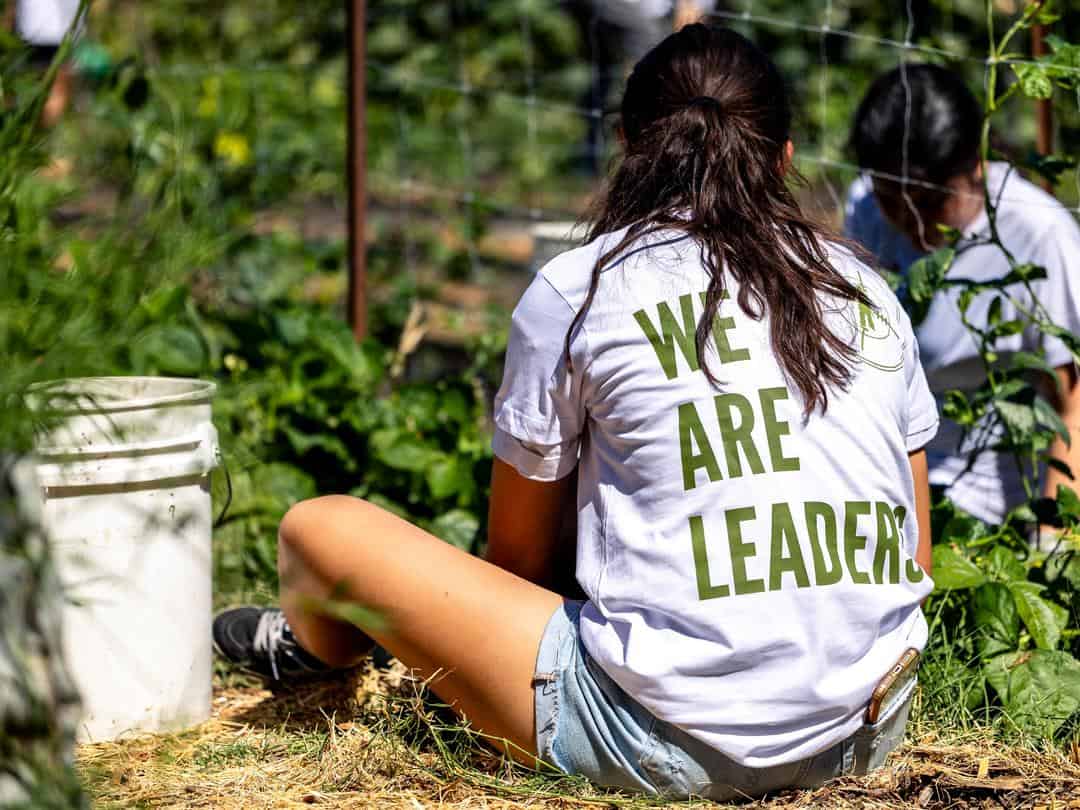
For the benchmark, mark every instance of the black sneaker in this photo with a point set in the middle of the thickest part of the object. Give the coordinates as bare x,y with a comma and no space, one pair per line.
260,640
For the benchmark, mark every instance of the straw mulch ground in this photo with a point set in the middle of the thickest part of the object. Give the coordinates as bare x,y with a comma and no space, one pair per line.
369,741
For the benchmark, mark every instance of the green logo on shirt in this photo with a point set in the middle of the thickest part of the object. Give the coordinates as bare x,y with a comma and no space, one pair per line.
877,341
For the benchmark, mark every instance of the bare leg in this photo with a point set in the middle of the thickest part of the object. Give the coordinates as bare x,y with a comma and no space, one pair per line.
331,641
473,626
59,96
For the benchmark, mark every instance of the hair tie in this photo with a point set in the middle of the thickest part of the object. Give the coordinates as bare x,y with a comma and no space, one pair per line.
707,103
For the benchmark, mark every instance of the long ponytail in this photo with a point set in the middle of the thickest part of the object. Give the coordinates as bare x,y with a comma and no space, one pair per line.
705,121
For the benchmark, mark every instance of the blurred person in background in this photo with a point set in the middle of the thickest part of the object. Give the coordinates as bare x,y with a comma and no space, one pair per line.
617,33
43,24
928,112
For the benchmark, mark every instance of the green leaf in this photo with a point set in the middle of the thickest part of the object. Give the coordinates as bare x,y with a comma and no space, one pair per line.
165,302
303,443
953,571
957,407
1023,272
1038,615
1053,40
1011,388
291,326
1072,571
1048,417
963,529
1061,615
446,477
403,450
1023,513
996,619
1064,335
1040,689
419,405
1061,333
169,349
1028,361
1047,14
453,407
1034,80
346,611
1019,418
458,527
1068,505
277,486
1008,328
337,341
1052,167
967,295
1003,565
925,277
1064,61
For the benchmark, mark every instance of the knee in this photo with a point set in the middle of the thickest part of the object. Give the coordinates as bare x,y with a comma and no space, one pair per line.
303,531
308,520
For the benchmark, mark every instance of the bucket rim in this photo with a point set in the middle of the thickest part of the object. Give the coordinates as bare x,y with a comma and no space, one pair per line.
198,391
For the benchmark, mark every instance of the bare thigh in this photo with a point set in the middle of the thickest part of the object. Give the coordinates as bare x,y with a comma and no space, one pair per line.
475,628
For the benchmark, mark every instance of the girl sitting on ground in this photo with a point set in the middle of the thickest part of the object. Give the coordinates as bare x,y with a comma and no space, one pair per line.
743,403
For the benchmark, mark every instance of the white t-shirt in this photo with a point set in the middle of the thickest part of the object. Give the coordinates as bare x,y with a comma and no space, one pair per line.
750,576
1035,228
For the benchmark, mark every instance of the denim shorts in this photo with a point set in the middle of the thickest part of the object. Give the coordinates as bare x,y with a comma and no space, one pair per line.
587,725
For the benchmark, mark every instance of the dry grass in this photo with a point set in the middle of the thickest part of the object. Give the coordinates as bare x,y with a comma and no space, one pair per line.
369,741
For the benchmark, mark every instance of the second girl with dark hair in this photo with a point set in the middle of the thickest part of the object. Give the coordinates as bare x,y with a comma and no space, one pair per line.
921,122
743,403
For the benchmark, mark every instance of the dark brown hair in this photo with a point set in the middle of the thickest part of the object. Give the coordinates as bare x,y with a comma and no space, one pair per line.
705,121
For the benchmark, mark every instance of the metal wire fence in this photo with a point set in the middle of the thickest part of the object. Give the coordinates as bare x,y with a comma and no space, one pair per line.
513,142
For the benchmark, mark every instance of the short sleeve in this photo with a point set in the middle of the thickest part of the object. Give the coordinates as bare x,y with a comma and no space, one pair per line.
1059,252
922,409
539,412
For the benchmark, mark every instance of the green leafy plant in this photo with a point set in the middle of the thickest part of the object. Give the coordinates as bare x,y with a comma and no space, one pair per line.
1011,610
304,410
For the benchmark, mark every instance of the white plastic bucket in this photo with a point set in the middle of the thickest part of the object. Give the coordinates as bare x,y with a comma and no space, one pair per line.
125,479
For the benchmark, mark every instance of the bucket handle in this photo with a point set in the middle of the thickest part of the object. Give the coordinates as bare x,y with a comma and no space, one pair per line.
228,492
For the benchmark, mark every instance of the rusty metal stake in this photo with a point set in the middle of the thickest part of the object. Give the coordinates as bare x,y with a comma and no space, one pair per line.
356,169
1044,109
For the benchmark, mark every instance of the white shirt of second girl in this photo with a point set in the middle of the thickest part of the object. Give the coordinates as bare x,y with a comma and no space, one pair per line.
1035,228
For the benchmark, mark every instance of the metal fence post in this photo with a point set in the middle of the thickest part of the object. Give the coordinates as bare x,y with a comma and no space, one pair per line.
1044,108
356,169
